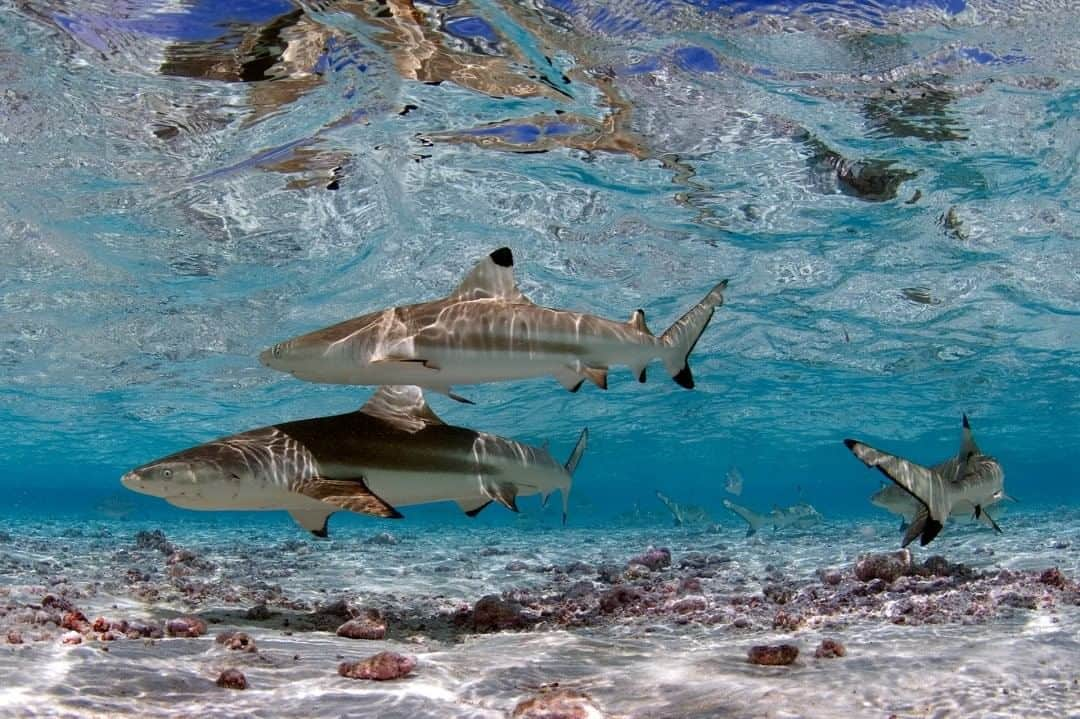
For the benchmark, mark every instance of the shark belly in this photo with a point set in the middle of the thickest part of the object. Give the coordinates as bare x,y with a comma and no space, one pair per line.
232,498
402,489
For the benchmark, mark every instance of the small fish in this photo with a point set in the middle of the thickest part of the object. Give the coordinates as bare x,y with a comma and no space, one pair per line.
919,295
797,515
734,481
488,331
392,452
969,481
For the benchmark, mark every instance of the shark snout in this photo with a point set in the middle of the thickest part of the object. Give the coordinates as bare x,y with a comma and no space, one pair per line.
269,357
133,481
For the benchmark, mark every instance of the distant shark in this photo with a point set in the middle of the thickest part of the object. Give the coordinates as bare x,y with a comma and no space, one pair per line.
734,483
797,515
683,514
486,331
394,451
968,482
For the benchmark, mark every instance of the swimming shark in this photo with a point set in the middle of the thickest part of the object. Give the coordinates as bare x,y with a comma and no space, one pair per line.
684,513
798,515
486,330
899,501
392,452
970,481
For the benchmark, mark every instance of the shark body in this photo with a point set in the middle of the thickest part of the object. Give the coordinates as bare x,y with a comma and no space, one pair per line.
900,502
488,331
797,515
966,483
394,451
684,514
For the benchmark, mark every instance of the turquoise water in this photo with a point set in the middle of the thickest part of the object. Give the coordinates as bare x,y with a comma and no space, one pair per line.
891,188
156,239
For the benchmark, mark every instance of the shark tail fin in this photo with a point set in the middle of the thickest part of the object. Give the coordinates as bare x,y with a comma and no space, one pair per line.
753,519
680,338
920,482
571,465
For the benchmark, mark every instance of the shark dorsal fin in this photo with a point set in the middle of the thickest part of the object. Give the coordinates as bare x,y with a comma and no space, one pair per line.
403,406
637,321
492,278
968,447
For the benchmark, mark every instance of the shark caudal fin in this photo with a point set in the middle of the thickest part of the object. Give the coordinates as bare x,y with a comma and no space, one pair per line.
680,338
752,518
571,465
920,482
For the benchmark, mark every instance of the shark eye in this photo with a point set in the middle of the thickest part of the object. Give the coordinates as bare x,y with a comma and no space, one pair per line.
167,474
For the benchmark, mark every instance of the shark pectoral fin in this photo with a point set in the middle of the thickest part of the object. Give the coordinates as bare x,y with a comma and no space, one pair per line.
598,375
350,494
641,377
984,516
916,527
505,493
473,507
313,520
570,379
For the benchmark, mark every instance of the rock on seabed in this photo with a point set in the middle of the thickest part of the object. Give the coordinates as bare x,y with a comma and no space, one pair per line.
773,655
380,667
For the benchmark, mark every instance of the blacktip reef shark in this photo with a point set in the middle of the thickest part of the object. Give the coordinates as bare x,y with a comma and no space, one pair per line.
488,331
899,501
970,481
683,514
392,452
797,515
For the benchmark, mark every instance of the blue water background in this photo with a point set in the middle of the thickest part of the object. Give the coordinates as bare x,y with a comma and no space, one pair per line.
142,277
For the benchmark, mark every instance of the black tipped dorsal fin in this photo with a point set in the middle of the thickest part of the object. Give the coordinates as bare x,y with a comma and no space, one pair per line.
492,278
403,406
967,441
637,321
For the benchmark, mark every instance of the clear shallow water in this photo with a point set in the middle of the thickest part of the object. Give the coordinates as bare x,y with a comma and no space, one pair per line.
166,214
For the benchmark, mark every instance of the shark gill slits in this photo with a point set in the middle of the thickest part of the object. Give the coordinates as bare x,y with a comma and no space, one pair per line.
503,257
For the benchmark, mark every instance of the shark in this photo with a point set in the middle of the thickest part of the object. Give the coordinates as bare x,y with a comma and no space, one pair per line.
797,515
898,501
392,452
684,513
486,330
967,483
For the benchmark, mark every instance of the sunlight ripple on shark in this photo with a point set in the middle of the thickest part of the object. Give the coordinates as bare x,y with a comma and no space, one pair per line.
394,451
488,331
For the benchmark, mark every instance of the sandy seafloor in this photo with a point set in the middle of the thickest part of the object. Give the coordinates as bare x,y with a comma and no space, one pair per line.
1001,639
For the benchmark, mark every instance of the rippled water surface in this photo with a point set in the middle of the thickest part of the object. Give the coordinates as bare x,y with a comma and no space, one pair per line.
891,187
